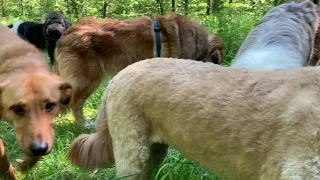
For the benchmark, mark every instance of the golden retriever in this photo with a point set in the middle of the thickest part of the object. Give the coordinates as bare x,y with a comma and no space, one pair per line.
30,96
239,124
91,49
282,39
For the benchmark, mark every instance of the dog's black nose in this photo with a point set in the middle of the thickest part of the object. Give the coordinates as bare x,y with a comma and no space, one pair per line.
39,149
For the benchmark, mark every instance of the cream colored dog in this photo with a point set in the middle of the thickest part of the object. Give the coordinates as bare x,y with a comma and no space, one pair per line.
239,124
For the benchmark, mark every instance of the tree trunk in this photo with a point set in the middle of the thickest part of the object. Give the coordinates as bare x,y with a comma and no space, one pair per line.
2,9
105,9
75,8
173,5
230,1
208,7
215,7
160,6
68,10
186,6
22,7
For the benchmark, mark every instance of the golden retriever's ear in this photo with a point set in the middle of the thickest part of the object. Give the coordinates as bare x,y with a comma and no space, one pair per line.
66,93
215,48
216,56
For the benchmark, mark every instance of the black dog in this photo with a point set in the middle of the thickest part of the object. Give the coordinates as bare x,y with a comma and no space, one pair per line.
54,26
31,32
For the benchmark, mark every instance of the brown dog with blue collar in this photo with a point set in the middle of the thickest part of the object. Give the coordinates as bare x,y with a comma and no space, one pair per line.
92,49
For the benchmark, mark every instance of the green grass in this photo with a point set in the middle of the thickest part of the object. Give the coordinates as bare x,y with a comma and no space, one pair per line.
232,24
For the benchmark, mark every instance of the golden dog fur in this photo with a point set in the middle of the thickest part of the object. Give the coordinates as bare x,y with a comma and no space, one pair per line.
239,124
90,49
30,95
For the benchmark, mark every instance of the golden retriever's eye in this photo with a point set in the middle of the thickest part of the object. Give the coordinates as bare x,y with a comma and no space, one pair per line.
49,107
18,110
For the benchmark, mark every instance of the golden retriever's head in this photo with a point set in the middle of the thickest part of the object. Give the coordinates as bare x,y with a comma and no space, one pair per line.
30,101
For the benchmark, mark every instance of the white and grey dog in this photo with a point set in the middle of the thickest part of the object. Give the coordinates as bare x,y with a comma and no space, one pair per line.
283,38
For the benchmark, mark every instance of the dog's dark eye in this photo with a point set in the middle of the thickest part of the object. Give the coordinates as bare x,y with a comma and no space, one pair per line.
19,110
49,107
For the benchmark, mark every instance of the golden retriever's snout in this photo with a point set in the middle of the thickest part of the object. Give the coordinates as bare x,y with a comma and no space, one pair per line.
39,149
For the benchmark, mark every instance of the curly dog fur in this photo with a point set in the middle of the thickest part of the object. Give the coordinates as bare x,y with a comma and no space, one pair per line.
54,26
239,124
90,49
283,39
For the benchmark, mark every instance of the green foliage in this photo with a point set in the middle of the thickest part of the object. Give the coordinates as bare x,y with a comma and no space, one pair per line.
36,10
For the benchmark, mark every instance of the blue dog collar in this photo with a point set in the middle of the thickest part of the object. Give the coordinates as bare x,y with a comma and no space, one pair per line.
157,30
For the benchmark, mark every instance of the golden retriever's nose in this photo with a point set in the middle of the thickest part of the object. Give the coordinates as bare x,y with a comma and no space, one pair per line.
39,149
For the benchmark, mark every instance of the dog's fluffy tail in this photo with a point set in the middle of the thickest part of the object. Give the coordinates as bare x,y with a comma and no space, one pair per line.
286,33
95,150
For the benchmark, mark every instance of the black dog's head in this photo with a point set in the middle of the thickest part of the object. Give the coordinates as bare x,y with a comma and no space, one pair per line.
54,25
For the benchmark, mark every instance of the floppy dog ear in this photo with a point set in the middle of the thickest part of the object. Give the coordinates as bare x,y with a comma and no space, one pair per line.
64,87
216,56
66,93
215,48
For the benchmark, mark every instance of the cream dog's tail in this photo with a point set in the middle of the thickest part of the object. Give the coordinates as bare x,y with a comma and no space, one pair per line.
91,151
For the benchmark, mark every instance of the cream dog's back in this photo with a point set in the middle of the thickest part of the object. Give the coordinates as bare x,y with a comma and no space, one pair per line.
239,124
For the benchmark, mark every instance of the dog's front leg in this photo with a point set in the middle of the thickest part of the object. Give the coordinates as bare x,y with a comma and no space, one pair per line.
27,162
6,169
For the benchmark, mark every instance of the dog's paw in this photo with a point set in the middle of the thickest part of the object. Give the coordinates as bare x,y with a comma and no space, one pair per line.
21,165
27,163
